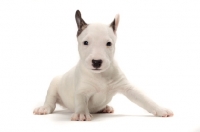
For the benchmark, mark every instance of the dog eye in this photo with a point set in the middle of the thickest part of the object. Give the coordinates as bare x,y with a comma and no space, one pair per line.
108,44
85,42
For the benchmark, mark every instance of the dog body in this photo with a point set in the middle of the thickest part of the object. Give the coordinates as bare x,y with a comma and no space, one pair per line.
91,84
97,89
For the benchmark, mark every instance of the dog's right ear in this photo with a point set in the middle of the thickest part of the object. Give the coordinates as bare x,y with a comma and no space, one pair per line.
81,24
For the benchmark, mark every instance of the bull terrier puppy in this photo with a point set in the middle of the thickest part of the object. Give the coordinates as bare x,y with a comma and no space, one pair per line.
90,85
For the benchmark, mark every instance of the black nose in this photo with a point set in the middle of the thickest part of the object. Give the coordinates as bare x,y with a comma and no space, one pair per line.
96,63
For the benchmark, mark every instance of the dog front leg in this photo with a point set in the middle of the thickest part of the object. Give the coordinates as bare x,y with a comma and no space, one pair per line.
81,108
143,101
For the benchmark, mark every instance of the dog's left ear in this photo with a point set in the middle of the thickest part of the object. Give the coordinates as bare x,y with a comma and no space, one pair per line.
115,23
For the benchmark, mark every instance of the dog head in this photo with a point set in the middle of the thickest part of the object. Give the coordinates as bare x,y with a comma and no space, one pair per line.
96,43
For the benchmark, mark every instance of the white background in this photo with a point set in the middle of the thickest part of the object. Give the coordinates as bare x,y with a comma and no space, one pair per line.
157,48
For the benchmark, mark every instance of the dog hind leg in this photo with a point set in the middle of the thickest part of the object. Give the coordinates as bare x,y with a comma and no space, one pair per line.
143,101
50,101
107,109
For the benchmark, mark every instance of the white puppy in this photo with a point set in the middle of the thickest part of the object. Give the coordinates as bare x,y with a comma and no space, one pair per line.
91,84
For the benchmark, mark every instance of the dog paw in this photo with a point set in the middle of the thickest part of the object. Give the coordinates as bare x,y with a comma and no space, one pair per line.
43,110
81,117
163,112
107,109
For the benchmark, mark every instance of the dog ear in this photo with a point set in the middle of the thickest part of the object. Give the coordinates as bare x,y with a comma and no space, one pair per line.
115,23
81,24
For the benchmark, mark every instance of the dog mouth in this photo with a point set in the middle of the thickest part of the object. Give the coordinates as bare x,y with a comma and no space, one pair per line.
96,69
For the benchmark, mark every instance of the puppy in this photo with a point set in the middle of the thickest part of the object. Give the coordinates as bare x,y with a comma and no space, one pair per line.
90,85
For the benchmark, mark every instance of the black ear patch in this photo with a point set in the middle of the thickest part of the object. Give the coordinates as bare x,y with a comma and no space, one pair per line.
81,24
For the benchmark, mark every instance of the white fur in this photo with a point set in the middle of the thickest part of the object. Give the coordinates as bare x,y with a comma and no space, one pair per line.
83,90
